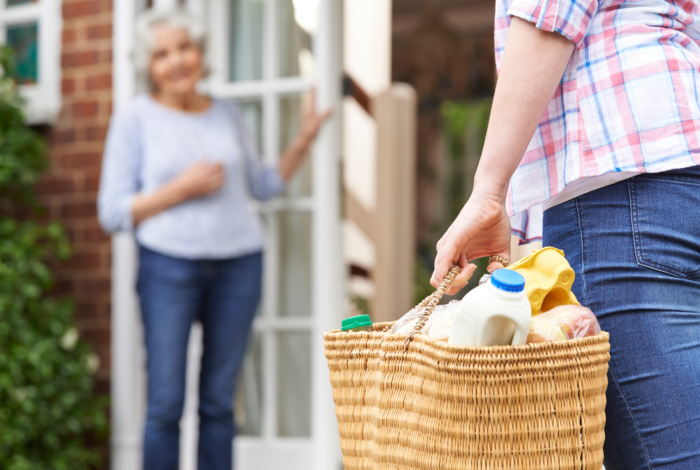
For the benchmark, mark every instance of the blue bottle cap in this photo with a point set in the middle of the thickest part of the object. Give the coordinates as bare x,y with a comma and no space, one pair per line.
508,280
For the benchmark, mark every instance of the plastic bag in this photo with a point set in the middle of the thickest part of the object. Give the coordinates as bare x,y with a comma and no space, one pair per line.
563,323
405,324
438,325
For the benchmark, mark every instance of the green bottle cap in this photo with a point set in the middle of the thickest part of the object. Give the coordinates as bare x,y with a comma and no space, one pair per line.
356,322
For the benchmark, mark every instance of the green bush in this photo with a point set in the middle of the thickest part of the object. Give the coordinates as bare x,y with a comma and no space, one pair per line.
47,406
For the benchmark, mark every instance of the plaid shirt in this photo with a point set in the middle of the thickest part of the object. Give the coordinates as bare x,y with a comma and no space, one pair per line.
628,100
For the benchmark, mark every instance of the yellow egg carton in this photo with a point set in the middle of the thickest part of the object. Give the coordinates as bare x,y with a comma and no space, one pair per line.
548,279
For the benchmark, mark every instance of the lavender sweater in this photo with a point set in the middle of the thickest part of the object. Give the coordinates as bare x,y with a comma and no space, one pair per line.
149,144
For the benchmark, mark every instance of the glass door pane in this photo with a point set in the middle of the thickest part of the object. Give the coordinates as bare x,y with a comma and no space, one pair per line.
294,384
295,264
253,114
246,39
297,24
291,108
248,404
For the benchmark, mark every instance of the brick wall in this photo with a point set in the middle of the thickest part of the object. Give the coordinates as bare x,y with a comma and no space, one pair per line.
69,189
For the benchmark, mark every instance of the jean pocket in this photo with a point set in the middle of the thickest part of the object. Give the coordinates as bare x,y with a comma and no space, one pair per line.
666,223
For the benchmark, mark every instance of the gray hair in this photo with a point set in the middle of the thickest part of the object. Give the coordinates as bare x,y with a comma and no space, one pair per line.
143,41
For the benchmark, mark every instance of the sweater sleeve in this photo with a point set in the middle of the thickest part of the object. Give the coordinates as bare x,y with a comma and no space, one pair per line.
569,18
264,181
119,181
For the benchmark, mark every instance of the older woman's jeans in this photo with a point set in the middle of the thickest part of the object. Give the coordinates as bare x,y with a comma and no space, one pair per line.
174,292
635,247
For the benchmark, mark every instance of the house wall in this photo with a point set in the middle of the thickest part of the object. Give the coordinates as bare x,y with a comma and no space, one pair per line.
69,189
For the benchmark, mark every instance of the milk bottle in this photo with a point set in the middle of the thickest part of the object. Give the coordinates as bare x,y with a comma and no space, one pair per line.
495,313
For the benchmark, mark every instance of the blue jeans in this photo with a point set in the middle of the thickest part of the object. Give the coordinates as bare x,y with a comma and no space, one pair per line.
174,292
635,247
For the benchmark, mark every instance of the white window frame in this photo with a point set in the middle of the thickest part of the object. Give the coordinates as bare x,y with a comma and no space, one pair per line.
44,97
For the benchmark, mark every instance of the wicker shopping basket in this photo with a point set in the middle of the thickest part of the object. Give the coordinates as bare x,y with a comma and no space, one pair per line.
415,403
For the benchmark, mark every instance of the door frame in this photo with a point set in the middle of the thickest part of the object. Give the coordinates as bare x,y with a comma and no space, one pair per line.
322,450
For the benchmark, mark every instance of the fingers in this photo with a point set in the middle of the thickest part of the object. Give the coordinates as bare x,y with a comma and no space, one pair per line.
494,266
461,279
443,262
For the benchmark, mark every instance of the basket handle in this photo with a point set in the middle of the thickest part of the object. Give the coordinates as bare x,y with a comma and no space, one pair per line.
429,303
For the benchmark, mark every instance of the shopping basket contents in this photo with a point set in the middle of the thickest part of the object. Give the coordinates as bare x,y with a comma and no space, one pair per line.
406,401
495,313
563,323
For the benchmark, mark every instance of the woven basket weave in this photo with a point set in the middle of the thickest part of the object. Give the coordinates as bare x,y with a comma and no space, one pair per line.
418,403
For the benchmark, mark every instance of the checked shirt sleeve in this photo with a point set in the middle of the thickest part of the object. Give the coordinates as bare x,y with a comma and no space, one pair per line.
567,17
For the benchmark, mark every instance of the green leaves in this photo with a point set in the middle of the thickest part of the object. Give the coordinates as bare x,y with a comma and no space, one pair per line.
47,405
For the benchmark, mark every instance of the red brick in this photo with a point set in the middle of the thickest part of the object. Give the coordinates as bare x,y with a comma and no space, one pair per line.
85,109
84,260
67,86
78,160
96,133
74,210
78,9
96,234
99,82
63,136
96,335
79,59
95,286
92,183
63,287
101,31
69,35
55,185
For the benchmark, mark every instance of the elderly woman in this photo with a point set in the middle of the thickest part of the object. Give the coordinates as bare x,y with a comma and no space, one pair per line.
179,168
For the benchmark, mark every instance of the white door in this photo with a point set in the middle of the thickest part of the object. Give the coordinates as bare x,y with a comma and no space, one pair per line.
265,54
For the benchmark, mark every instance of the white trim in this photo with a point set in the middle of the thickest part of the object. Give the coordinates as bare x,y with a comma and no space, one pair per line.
128,376
165,4
328,268
280,86
21,13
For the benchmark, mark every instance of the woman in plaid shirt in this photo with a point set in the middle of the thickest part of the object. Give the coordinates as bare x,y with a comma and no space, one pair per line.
593,146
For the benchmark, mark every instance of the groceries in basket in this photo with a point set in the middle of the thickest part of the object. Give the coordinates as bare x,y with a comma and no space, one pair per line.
357,323
498,311
548,279
565,322
438,325
495,313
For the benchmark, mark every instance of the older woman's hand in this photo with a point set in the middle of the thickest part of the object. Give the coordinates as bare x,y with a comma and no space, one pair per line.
312,120
200,179
311,123
482,228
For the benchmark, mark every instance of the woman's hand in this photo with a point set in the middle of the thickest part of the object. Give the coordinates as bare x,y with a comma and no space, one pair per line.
533,64
200,179
482,228
311,123
312,120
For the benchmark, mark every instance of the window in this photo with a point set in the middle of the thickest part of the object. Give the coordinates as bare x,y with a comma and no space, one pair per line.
32,28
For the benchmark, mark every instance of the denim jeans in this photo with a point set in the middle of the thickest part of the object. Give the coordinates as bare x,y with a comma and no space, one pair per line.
174,292
635,247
